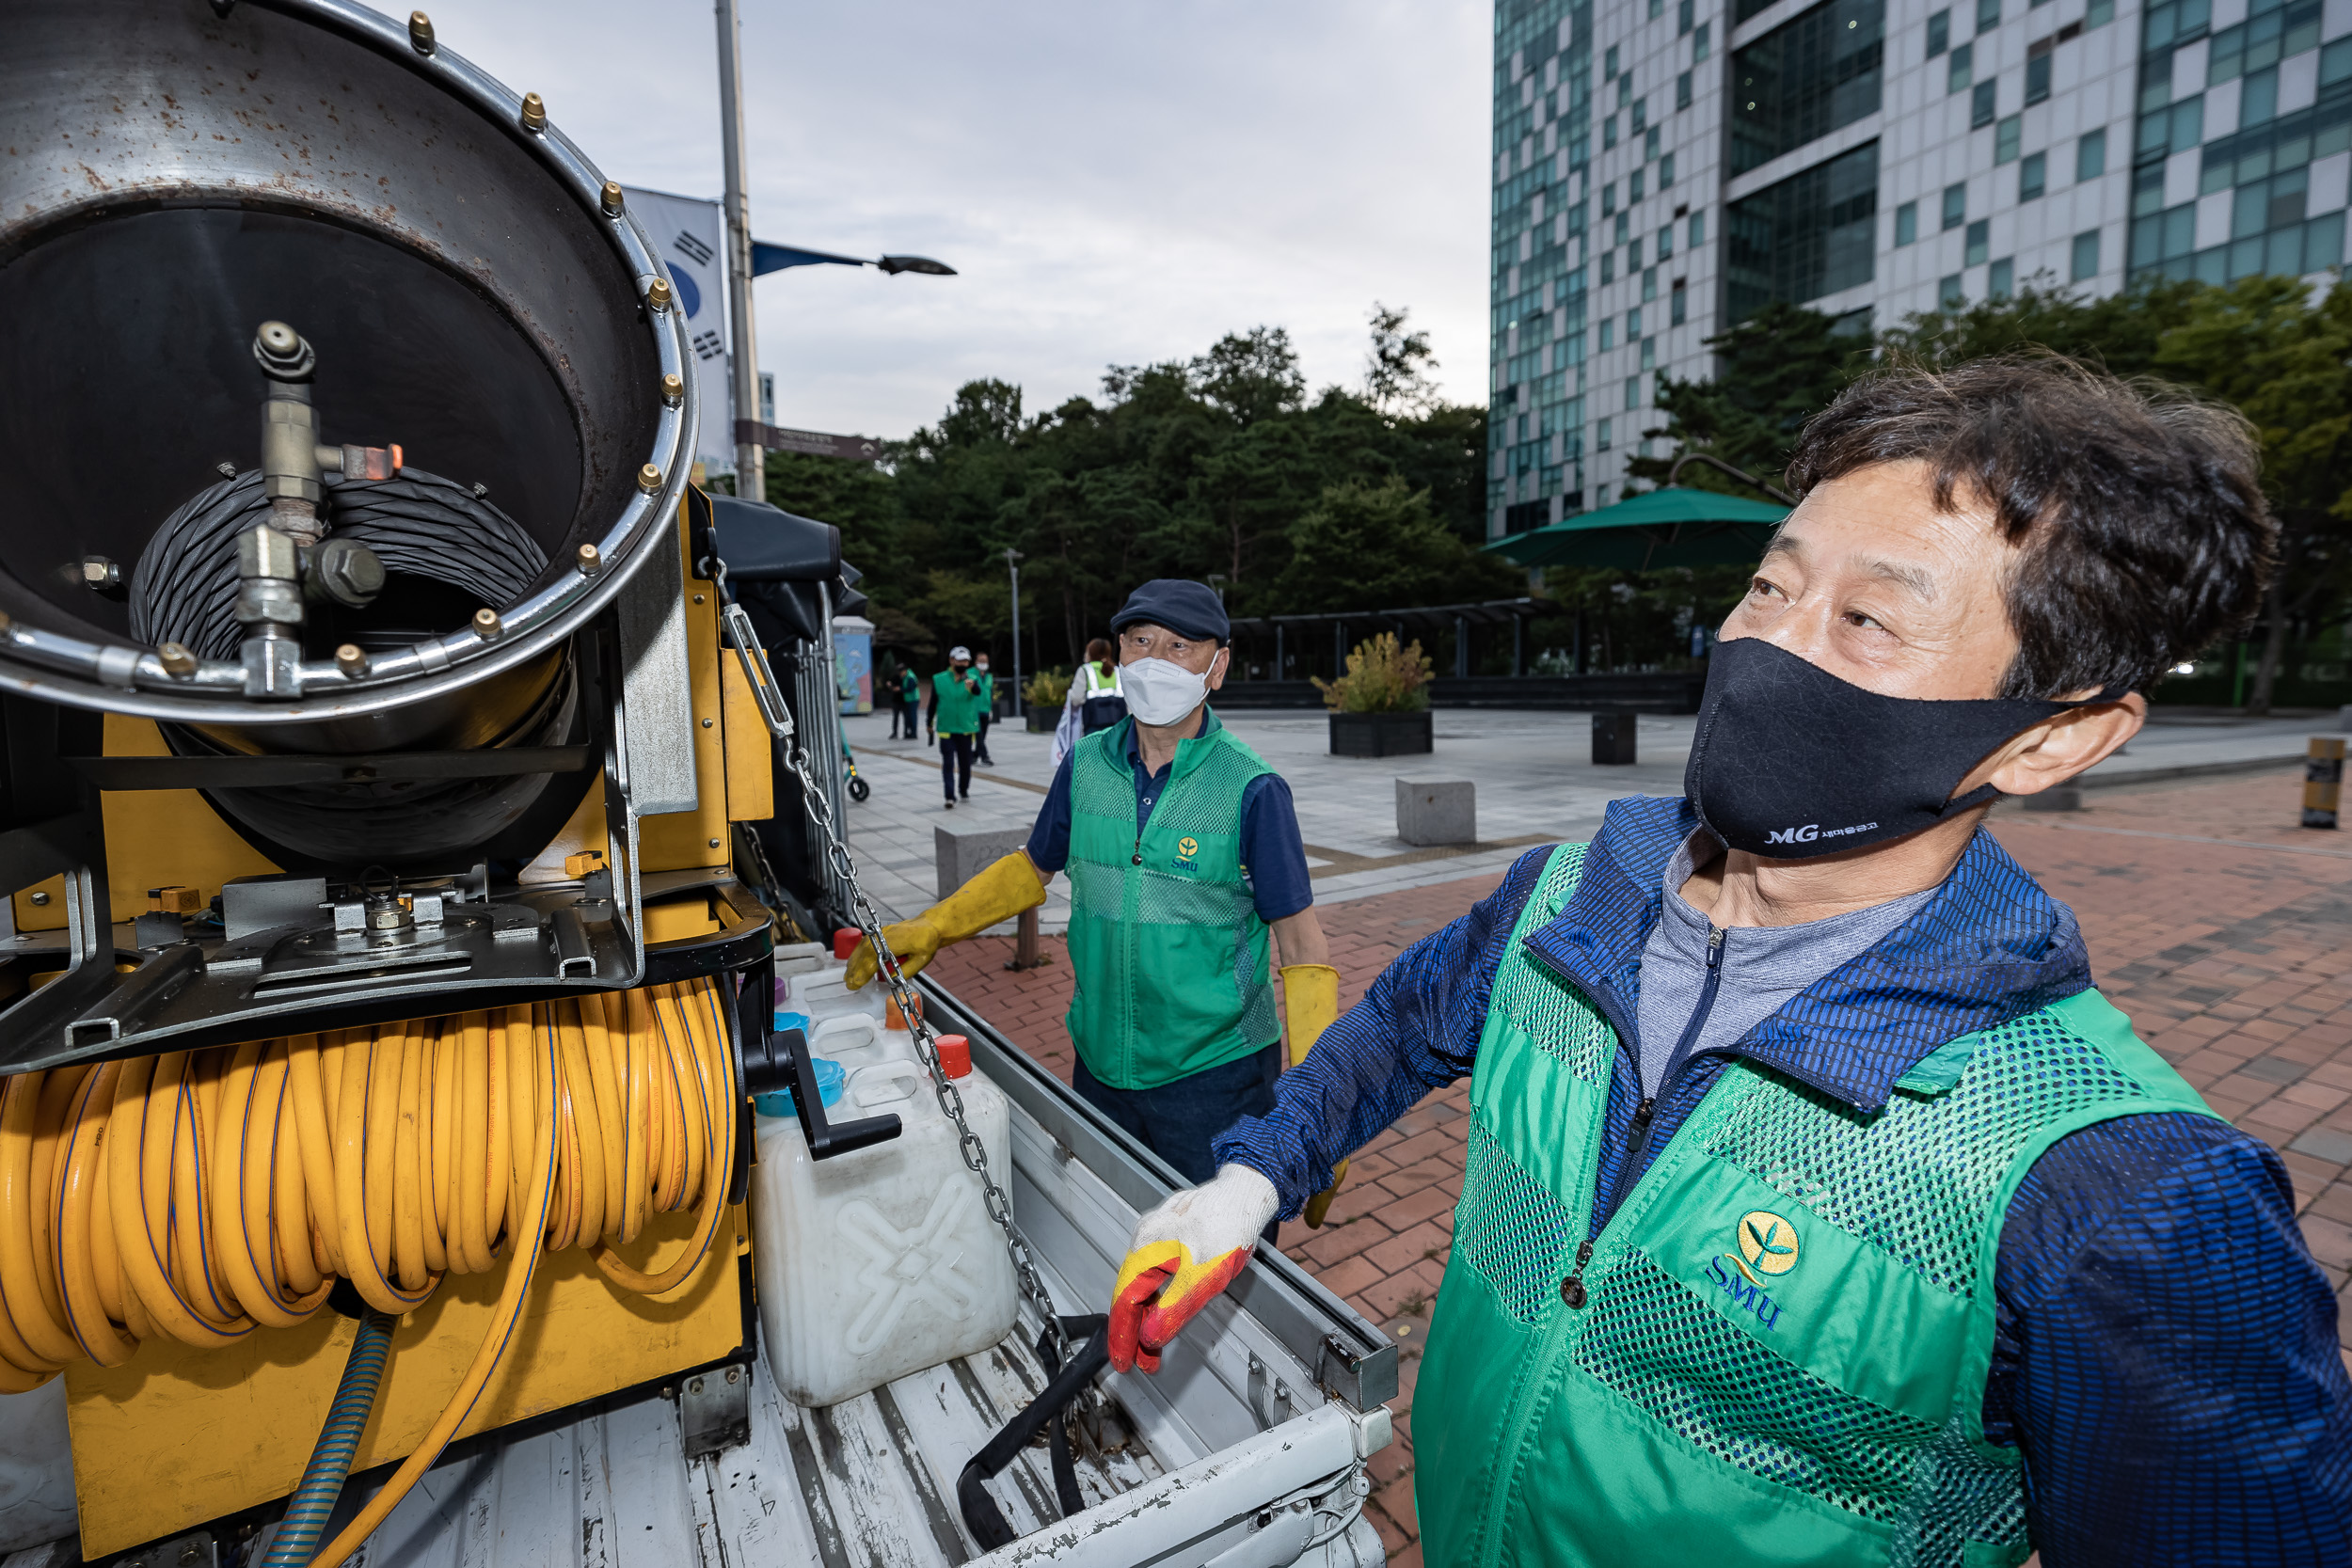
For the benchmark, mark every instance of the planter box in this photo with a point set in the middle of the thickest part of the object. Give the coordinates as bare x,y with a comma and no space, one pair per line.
1042,721
1380,734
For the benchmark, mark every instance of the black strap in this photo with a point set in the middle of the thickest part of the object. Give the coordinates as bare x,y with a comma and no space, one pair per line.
981,1515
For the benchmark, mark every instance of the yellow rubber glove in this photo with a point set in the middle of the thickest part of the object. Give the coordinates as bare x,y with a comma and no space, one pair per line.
1310,1000
998,893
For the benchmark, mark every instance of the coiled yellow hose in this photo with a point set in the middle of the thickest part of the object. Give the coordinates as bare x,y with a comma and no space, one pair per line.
200,1195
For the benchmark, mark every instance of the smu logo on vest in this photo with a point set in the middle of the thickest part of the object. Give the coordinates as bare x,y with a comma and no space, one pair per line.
1186,847
1812,830
1768,1247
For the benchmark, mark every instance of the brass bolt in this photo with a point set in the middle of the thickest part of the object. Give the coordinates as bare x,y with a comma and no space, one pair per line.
590,560
698,598
534,112
420,32
672,388
613,198
177,660
659,293
486,624
352,659
649,479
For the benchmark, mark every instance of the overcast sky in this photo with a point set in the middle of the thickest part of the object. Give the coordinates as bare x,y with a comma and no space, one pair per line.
1115,183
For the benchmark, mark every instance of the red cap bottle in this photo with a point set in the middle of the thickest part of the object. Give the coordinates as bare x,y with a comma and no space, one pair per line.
955,1055
845,943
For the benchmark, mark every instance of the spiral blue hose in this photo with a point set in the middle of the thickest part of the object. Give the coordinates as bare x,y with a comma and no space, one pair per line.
312,1506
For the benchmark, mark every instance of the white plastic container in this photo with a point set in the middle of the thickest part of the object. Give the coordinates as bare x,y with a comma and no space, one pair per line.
881,1262
825,993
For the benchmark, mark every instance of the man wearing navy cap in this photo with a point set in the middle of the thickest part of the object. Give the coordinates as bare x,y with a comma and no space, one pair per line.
1184,854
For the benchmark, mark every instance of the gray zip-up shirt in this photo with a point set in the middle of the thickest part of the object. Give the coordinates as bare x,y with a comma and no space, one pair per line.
1760,968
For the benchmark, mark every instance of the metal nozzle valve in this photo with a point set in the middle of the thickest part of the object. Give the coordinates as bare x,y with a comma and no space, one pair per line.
269,608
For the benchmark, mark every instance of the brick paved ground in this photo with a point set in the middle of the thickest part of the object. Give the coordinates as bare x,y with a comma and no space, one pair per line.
2223,928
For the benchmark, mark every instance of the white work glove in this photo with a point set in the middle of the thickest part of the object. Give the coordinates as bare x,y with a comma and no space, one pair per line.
1183,1253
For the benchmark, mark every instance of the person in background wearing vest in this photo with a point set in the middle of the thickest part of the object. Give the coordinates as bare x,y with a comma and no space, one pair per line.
953,720
910,699
1183,855
1819,1210
988,707
1094,702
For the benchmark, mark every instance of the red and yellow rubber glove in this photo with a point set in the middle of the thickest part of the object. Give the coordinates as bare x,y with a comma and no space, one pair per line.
1310,1000
1183,1253
1002,891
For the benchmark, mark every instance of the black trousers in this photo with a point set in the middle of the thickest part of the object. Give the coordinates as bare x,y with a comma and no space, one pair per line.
955,764
1178,1121
901,718
981,749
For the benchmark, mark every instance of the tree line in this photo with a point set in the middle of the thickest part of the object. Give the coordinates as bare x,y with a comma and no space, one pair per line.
2277,348
1224,468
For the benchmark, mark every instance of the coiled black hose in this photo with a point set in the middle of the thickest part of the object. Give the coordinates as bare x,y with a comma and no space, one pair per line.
184,587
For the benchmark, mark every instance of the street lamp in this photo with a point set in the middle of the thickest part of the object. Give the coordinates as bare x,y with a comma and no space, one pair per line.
748,258
768,257
1013,564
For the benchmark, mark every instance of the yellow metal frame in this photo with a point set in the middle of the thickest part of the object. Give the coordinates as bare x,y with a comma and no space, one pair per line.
176,1436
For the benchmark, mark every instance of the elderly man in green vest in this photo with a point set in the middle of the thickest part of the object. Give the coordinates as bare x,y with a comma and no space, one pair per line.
1818,1209
1185,868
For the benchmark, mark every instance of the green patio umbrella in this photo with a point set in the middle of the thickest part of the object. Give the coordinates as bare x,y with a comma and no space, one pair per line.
1673,527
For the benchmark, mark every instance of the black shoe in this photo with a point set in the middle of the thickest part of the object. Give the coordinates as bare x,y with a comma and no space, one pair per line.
951,805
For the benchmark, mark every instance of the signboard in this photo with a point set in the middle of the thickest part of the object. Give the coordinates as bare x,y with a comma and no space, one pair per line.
770,437
690,236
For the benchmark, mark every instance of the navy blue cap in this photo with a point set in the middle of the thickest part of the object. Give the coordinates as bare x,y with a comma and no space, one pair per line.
1186,608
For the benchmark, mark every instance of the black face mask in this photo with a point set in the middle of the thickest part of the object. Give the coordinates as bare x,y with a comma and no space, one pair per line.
1790,761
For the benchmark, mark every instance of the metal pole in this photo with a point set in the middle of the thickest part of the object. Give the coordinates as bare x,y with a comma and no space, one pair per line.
750,464
1013,564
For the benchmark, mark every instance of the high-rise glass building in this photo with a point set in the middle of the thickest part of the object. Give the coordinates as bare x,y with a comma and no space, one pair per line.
1664,168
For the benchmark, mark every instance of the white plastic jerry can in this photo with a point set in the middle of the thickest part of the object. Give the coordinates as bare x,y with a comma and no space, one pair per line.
880,1262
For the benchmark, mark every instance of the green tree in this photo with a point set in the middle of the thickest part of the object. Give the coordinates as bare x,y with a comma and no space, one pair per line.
1396,371
1374,545
1774,371
2283,355
2119,333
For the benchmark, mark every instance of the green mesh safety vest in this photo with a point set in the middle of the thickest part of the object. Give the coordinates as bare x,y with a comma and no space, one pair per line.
1166,945
959,710
1782,1352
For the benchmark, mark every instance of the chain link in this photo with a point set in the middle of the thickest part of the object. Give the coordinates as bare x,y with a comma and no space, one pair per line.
819,806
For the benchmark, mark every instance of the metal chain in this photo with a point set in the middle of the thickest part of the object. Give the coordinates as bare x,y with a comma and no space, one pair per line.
819,809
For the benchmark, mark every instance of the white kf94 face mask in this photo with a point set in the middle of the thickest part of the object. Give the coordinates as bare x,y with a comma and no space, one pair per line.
1161,691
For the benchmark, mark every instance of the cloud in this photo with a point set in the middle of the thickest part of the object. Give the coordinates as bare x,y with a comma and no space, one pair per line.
1115,183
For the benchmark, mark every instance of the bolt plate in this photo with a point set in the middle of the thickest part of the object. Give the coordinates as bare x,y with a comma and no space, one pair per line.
714,1410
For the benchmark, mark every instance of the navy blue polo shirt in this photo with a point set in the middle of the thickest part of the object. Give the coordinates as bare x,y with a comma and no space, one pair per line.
1273,858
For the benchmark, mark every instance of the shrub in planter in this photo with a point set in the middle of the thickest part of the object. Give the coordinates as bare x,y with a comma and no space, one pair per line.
1380,705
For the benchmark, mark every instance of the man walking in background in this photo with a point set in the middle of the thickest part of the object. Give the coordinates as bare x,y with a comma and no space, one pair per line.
910,699
988,707
954,723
